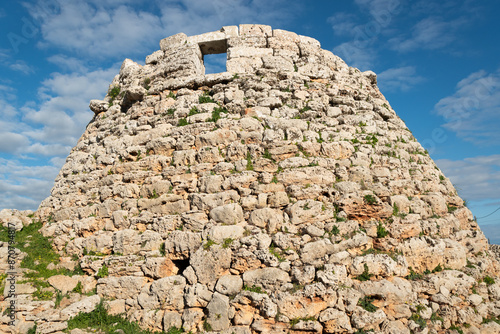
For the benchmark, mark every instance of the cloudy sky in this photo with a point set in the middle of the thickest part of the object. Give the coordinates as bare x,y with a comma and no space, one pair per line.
437,63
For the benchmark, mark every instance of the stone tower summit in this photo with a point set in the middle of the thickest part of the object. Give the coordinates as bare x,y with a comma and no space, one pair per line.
282,196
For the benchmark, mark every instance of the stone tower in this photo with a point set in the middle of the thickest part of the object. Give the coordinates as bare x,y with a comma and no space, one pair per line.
282,196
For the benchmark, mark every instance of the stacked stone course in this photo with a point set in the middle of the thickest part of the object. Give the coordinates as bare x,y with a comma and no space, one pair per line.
282,196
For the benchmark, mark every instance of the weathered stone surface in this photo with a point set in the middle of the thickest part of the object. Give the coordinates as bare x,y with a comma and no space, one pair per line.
282,196
63,283
120,287
229,285
218,312
266,277
86,305
229,214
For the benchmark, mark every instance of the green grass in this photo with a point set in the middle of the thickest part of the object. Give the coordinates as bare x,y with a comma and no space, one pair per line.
365,276
205,98
413,276
99,319
335,230
193,111
419,320
295,321
209,244
249,161
182,122
154,195
253,288
216,114
366,303
276,253
2,283
39,253
103,272
370,199
227,243
381,231
456,328
488,280
113,93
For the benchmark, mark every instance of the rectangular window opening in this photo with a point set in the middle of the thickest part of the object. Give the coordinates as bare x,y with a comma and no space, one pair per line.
215,63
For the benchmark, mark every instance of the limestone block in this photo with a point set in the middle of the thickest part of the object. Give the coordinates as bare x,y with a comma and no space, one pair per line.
221,233
191,317
293,306
278,63
173,42
313,252
304,275
266,218
120,287
115,307
252,41
169,291
215,138
211,42
63,283
154,58
228,214
243,65
172,319
266,277
51,327
316,71
86,305
166,204
210,264
364,319
335,321
182,244
197,295
126,242
380,264
229,285
288,36
306,211
98,106
255,30
230,31
422,253
248,52
218,312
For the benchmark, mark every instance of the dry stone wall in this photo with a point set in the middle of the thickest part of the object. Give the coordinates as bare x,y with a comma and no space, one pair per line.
282,196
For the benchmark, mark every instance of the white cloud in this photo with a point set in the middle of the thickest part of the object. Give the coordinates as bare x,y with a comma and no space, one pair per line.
21,66
399,78
24,187
97,31
380,8
473,110
362,47
429,33
62,116
7,111
356,54
476,178
68,63
111,28
12,142
48,150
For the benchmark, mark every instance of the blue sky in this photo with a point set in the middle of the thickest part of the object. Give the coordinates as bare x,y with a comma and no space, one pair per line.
437,63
